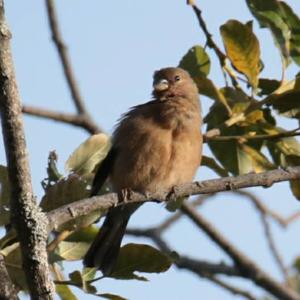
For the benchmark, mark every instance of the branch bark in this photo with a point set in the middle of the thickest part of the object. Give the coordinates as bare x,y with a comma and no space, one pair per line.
29,221
83,207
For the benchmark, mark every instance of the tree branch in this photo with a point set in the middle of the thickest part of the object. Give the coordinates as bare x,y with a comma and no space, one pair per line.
273,248
197,266
247,267
66,213
30,222
230,288
201,268
64,57
82,121
211,44
7,289
283,221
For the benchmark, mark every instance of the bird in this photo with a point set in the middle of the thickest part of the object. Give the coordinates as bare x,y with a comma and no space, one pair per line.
156,145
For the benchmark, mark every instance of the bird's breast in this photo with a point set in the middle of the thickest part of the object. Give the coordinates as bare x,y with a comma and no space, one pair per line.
155,156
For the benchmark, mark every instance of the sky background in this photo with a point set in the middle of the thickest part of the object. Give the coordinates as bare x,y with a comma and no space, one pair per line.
115,46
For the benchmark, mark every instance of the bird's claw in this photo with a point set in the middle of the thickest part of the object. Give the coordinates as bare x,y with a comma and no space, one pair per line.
125,195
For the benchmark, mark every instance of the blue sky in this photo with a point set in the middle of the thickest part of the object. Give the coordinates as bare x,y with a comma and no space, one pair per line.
115,46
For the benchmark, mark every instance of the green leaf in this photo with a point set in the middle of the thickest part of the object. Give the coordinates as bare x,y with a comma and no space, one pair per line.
77,278
242,48
269,15
111,296
85,234
245,156
267,86
196,62
66,191
213,165
89,154
293,22
140,258
173,205
286,99
4,196
88,274
64,292
71,251
285,152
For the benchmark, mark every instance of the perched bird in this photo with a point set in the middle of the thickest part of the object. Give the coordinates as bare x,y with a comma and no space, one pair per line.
155,146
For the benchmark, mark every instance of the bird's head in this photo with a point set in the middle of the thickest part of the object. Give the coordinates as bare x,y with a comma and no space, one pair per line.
173,82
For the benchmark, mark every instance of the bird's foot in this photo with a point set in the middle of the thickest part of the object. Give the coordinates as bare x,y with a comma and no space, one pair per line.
125,195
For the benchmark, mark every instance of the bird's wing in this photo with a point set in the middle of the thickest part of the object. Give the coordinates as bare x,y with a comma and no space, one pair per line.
103,171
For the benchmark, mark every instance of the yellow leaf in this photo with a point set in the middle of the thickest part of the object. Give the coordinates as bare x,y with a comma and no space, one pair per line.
242,48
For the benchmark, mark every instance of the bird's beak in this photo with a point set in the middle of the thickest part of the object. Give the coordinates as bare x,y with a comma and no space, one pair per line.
161,85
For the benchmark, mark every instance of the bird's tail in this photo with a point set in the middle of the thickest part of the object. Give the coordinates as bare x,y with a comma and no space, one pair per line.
104,251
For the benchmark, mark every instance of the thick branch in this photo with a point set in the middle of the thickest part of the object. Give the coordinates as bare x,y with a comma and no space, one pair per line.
30,223
246,266
82,121
66,213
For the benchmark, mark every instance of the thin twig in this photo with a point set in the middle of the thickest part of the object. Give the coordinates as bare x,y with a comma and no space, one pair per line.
64,57
176,216
211,44
273,248
231,288
248,137
283,221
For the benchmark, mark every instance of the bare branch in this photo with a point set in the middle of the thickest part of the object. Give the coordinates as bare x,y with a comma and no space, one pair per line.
283,221
273,248
64,57
246,266
68,212
7,289
176,216
82,121
199,267
230,288
29,221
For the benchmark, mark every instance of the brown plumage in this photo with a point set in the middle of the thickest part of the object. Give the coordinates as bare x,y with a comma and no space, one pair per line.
156,145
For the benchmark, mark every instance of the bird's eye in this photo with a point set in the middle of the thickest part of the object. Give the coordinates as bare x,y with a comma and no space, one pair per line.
177,78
